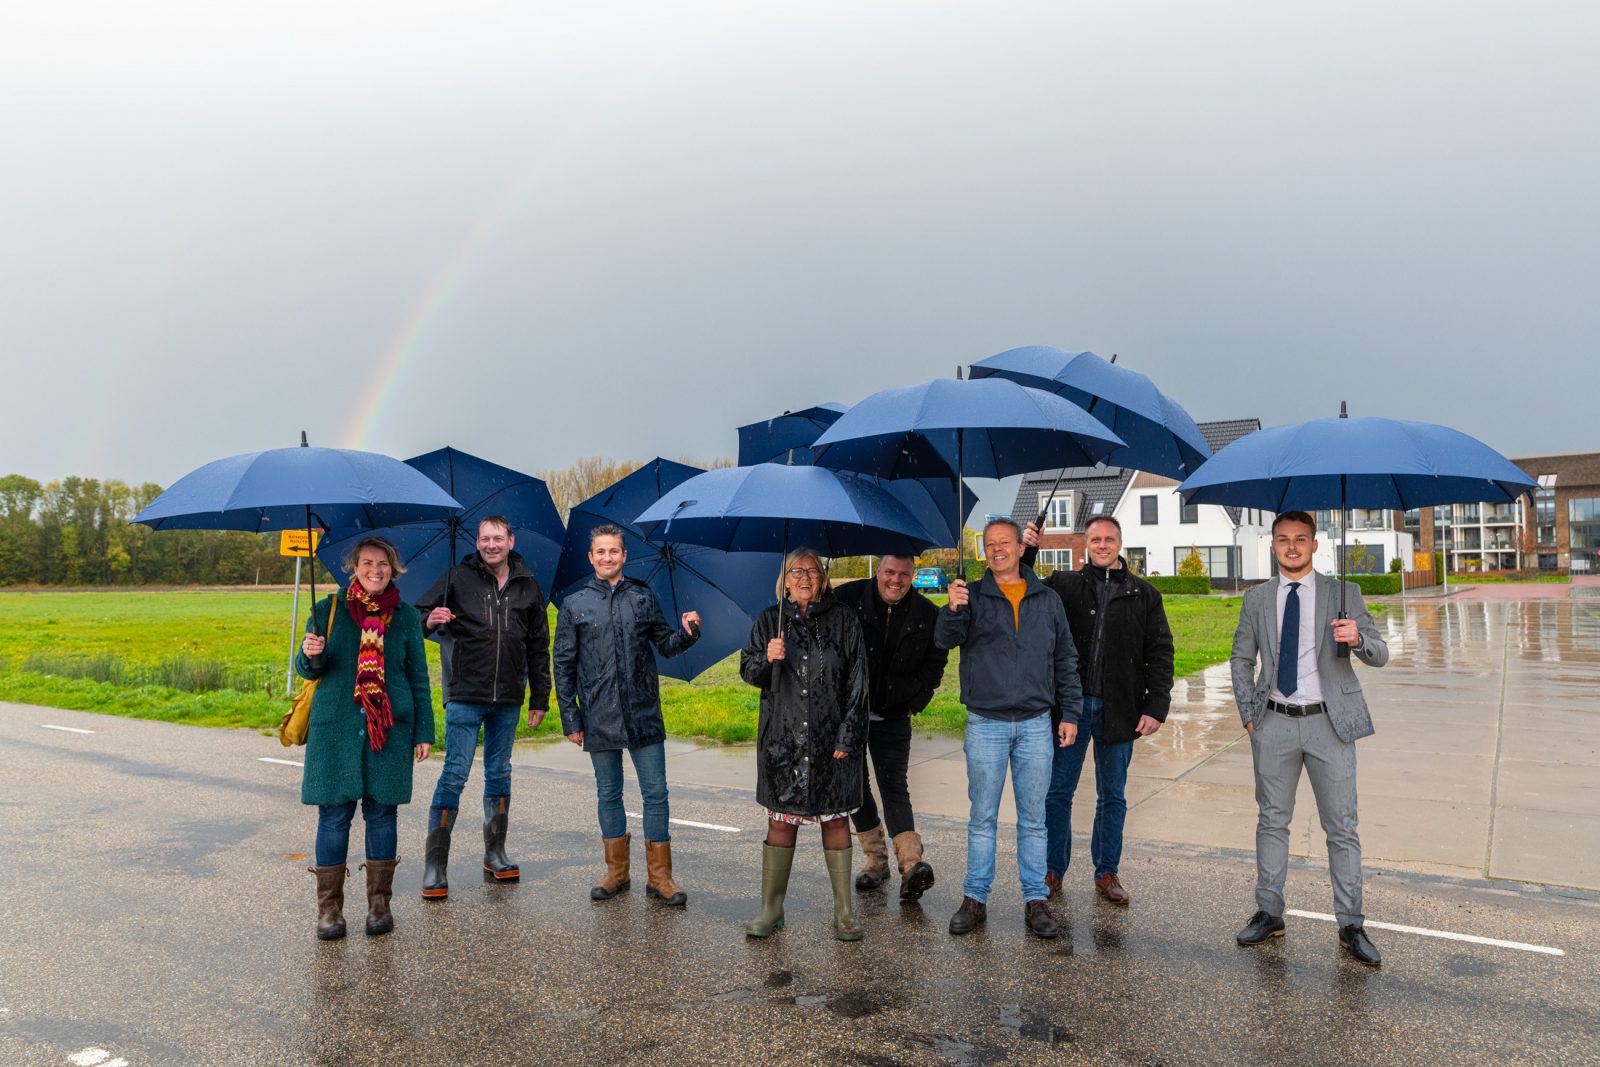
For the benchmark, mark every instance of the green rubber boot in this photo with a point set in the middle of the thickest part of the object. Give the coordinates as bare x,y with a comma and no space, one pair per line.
776,863
845,925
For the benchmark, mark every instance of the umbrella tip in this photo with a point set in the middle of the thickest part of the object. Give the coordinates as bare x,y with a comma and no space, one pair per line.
303,442
958,372
1113,357
1344,410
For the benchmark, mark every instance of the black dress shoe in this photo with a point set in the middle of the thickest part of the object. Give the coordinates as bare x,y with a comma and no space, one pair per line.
1360,945
968,917
1040,922
1260,927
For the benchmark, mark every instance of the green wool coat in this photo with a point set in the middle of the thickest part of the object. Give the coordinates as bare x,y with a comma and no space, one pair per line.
340,764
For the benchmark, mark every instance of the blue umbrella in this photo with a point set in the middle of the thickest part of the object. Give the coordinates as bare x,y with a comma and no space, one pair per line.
298,488
430,549
728,589
991,428
787,437
1161,437
1340,463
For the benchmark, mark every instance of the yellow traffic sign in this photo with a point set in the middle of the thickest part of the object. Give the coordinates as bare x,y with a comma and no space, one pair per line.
293,542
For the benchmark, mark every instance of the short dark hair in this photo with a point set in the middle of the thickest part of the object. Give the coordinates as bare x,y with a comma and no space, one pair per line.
497,520
1016,528
899,555
1295,516
607,530
1112,519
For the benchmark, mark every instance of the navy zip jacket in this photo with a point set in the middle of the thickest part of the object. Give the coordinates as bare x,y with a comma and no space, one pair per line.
1010,671
498,648
606,681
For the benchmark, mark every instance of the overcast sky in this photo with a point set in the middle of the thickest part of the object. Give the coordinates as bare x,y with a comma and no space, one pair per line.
542,231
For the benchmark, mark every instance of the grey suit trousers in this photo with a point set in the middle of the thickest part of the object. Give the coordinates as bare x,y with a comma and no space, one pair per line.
1280,746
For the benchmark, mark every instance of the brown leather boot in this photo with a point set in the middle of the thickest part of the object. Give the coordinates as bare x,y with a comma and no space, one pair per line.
330,901
616,879
874,859
916,877
1110,888
380,887
658,882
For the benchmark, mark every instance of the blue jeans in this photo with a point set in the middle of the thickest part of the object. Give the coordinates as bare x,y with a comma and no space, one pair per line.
991,746
1110,804
650,764
333,831
461,722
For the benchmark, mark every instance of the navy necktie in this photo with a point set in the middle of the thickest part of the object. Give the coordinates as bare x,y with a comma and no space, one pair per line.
1289,643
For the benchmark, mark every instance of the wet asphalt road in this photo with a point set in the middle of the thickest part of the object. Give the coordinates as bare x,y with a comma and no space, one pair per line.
157,911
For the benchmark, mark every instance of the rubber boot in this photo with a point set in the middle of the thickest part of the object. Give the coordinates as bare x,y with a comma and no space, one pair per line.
845,925
330,901
874,859
436,854
659,884
616,879
776,863
380,887
495,863
916,877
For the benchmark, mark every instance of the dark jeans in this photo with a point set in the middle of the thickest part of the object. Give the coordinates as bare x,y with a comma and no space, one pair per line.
889,745
333,831
650,764
461,722
1110,805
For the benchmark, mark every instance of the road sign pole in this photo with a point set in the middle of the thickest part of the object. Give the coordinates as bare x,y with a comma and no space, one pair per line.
294,618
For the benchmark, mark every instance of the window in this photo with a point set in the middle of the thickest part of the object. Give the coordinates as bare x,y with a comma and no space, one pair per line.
1189,513
1057,559
1583,531
1544,509
1136,559
1058,516
1221,561
1149,514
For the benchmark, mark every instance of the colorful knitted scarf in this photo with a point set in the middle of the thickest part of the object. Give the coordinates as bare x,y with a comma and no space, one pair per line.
372,615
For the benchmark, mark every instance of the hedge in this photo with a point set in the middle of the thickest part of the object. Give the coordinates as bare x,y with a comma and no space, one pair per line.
1376,584
1186,584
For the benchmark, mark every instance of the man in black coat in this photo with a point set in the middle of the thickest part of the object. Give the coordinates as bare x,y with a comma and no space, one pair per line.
610,701
1125,661
494,646
904,667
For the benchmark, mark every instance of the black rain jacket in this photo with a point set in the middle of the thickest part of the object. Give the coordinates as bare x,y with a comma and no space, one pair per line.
500,639
813,701
904,666
606,682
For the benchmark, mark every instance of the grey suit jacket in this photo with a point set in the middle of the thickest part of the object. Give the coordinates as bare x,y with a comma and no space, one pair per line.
1255,643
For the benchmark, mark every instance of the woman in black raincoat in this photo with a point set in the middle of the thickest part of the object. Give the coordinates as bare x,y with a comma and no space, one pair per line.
812,733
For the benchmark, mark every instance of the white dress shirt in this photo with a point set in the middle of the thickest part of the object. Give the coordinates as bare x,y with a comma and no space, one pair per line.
1310,691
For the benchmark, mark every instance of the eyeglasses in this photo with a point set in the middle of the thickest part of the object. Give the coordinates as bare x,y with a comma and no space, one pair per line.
804,572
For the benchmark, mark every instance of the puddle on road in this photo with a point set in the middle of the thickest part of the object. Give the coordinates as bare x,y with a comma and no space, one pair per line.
850,1003
1031,1025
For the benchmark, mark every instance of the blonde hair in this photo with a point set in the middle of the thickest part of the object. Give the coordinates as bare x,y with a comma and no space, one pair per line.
795,556
395,566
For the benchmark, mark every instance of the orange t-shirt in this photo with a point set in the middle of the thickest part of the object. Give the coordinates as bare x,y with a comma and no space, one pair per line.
1013,592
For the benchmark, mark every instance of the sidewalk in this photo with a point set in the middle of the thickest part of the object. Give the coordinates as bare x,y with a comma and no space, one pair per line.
1486,760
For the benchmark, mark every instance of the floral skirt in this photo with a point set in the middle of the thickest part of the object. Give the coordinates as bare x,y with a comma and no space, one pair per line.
806,820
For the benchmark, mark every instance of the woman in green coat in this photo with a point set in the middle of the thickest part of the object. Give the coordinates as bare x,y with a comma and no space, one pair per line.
371,715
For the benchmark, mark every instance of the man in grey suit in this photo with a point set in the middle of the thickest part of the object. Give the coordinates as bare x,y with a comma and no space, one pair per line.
1304,709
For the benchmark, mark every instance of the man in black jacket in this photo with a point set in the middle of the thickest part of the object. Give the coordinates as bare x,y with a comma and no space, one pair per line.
494,645
1125,661
904,667
610,700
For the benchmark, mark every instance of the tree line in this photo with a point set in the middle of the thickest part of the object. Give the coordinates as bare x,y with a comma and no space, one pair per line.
77,532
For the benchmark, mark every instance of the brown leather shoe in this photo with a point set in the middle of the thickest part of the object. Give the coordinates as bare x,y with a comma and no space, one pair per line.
1040,922
968,917
616,879
1111,889
658,883
330,901
1053,882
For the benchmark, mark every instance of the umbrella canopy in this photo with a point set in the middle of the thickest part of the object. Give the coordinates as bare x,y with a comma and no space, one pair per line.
428,549
728,589
1362,462
1161,437
771,507
992,428
787,437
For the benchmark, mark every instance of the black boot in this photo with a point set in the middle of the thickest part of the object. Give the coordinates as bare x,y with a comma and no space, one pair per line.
495,863
436,854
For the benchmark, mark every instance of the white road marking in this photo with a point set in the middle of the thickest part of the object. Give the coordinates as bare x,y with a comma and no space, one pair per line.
1544,950
96,1057
284,762
65,729
691,822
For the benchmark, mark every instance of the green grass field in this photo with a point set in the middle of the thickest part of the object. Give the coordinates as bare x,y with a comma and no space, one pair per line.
154,651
